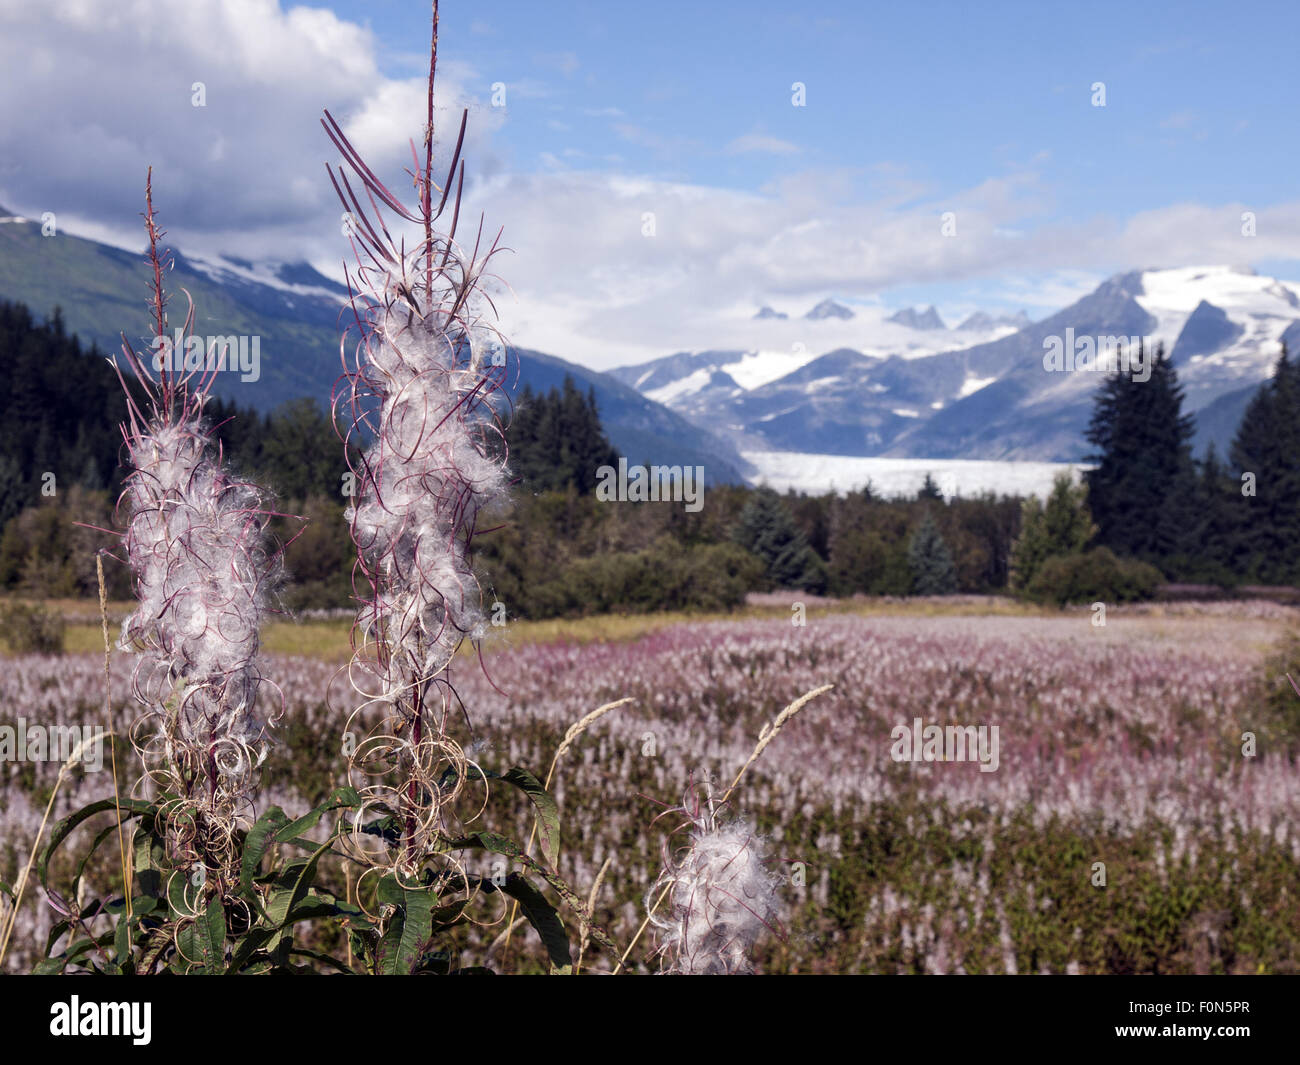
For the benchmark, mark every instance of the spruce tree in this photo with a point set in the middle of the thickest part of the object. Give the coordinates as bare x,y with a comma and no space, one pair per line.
1265,457
556,439
928,557
1219,502
1142,490
767,529
929,491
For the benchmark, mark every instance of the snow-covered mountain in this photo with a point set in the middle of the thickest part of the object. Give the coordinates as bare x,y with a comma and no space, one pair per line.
829,309
883,387
982,322
914,319
297,315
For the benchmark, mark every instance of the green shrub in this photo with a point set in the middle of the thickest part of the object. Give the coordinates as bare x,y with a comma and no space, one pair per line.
1273,708
666,577
1061,527
1096,576
31,629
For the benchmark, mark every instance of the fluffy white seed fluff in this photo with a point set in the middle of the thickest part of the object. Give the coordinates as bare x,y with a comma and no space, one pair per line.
428,478
196,543
720,899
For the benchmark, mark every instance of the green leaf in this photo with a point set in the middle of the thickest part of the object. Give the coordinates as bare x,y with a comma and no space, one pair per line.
416,928
150,856
322,904
282,902
410,927
445,918
81,866
61,831
389,892
58,929
324,959
502,845
183,904
246,946
255,844
187,950
122,940
140,905
543,917
489,841
387,828
210,934
339,798
548,814
437,962
386,950
155,945
75,952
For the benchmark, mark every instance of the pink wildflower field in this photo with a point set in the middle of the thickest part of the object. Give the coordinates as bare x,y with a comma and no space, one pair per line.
1123,830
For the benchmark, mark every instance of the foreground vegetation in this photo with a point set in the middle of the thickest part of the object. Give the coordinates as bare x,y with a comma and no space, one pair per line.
1120,745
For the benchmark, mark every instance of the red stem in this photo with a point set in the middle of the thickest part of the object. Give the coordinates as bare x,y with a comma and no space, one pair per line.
426,204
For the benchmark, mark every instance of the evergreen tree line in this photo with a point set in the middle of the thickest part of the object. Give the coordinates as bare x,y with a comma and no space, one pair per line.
567,553
1207,521
1147,512
555,439
60,449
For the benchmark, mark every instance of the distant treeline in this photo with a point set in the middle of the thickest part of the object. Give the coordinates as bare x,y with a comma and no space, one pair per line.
60,449
1149,512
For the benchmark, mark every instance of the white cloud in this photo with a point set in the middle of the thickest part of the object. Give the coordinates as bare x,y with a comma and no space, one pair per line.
758,142
105,92
590,286
244,173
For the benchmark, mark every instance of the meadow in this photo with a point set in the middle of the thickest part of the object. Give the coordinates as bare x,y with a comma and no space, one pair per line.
1123,831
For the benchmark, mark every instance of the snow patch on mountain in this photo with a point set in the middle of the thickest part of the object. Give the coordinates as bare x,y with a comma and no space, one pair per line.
275,275
973,384
1172,295
757,368
685,386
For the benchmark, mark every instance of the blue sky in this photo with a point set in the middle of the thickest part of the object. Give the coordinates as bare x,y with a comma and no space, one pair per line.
910,102
684,111
1200,97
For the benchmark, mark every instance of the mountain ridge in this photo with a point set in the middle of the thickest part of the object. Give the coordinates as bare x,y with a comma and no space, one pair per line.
298,316
995,398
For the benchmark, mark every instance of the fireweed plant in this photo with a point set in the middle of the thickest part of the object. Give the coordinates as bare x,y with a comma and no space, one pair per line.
719,894
204,575
209,886
420,392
